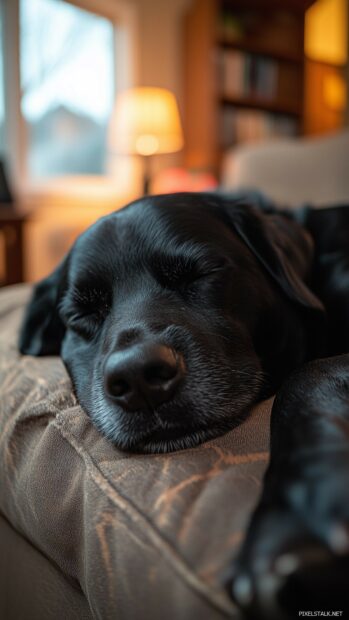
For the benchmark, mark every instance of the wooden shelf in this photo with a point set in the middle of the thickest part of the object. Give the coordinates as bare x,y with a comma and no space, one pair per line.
260,50
262,5
269,31
275,107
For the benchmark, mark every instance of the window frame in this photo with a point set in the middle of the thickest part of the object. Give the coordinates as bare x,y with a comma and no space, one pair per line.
119,12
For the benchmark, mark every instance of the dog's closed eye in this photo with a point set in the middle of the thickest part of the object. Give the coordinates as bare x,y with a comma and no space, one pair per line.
181,273
84,308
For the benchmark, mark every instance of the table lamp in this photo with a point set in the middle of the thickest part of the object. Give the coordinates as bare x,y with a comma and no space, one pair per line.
146,122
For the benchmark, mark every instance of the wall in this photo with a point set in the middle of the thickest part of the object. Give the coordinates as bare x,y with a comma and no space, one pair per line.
158,62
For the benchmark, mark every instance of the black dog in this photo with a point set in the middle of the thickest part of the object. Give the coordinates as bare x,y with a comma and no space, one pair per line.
177,313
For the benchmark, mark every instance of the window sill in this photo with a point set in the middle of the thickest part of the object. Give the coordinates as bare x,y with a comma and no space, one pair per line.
77,193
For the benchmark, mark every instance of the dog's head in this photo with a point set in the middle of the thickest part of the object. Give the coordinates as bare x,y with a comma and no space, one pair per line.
174,315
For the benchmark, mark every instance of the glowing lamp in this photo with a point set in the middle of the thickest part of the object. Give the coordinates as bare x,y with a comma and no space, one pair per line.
146,122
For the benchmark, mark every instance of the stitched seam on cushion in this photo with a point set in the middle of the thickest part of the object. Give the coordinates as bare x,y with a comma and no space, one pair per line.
216,599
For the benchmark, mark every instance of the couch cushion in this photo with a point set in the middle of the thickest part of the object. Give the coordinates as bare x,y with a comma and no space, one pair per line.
31,586
292,172
134,532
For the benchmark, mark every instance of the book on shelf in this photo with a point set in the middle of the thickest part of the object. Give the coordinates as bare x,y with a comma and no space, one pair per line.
247,126
248,75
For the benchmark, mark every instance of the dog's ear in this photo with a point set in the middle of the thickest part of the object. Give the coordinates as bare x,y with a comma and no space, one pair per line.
42,329
284,249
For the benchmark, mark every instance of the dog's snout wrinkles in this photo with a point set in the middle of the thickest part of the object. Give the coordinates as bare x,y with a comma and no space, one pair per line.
142,376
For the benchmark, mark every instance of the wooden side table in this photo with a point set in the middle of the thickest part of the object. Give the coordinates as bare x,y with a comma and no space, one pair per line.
12,221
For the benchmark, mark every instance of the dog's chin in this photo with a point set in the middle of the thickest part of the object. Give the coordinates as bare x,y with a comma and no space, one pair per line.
170,428
163,440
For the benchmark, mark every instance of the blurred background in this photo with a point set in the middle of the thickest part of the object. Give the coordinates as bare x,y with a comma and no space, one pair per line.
219,79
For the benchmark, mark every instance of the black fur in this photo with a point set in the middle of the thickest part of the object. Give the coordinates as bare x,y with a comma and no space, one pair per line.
245,294
214,279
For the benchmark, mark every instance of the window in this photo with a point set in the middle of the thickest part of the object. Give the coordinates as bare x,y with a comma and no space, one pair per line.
65,61
67,86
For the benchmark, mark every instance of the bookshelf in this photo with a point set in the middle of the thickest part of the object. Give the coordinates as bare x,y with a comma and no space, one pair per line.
244,74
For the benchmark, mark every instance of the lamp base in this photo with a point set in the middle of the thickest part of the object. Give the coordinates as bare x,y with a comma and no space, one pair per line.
146,184
146,174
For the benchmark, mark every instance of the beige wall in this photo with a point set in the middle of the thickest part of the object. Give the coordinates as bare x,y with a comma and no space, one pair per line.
160,43
158,61
160,54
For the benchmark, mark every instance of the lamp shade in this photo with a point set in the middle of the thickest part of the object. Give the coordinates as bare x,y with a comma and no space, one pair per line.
146,121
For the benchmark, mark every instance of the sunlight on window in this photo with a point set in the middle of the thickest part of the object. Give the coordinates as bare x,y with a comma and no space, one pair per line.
67,69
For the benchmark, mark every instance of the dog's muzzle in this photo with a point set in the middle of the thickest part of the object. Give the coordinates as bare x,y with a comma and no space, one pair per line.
143,376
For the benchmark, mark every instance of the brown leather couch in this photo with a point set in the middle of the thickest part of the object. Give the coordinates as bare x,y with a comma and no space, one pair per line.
89,532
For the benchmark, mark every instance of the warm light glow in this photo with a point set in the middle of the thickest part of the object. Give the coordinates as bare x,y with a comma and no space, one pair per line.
326,31
146,121
335,92
147,145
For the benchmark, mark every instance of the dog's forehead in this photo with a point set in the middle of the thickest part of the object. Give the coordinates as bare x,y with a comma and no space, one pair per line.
156,224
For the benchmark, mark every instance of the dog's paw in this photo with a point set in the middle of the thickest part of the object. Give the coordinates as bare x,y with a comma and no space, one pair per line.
286,566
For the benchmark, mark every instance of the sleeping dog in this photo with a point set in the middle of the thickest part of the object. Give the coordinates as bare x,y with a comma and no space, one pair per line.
177,313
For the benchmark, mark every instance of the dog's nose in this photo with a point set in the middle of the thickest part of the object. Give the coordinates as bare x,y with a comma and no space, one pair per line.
142,376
